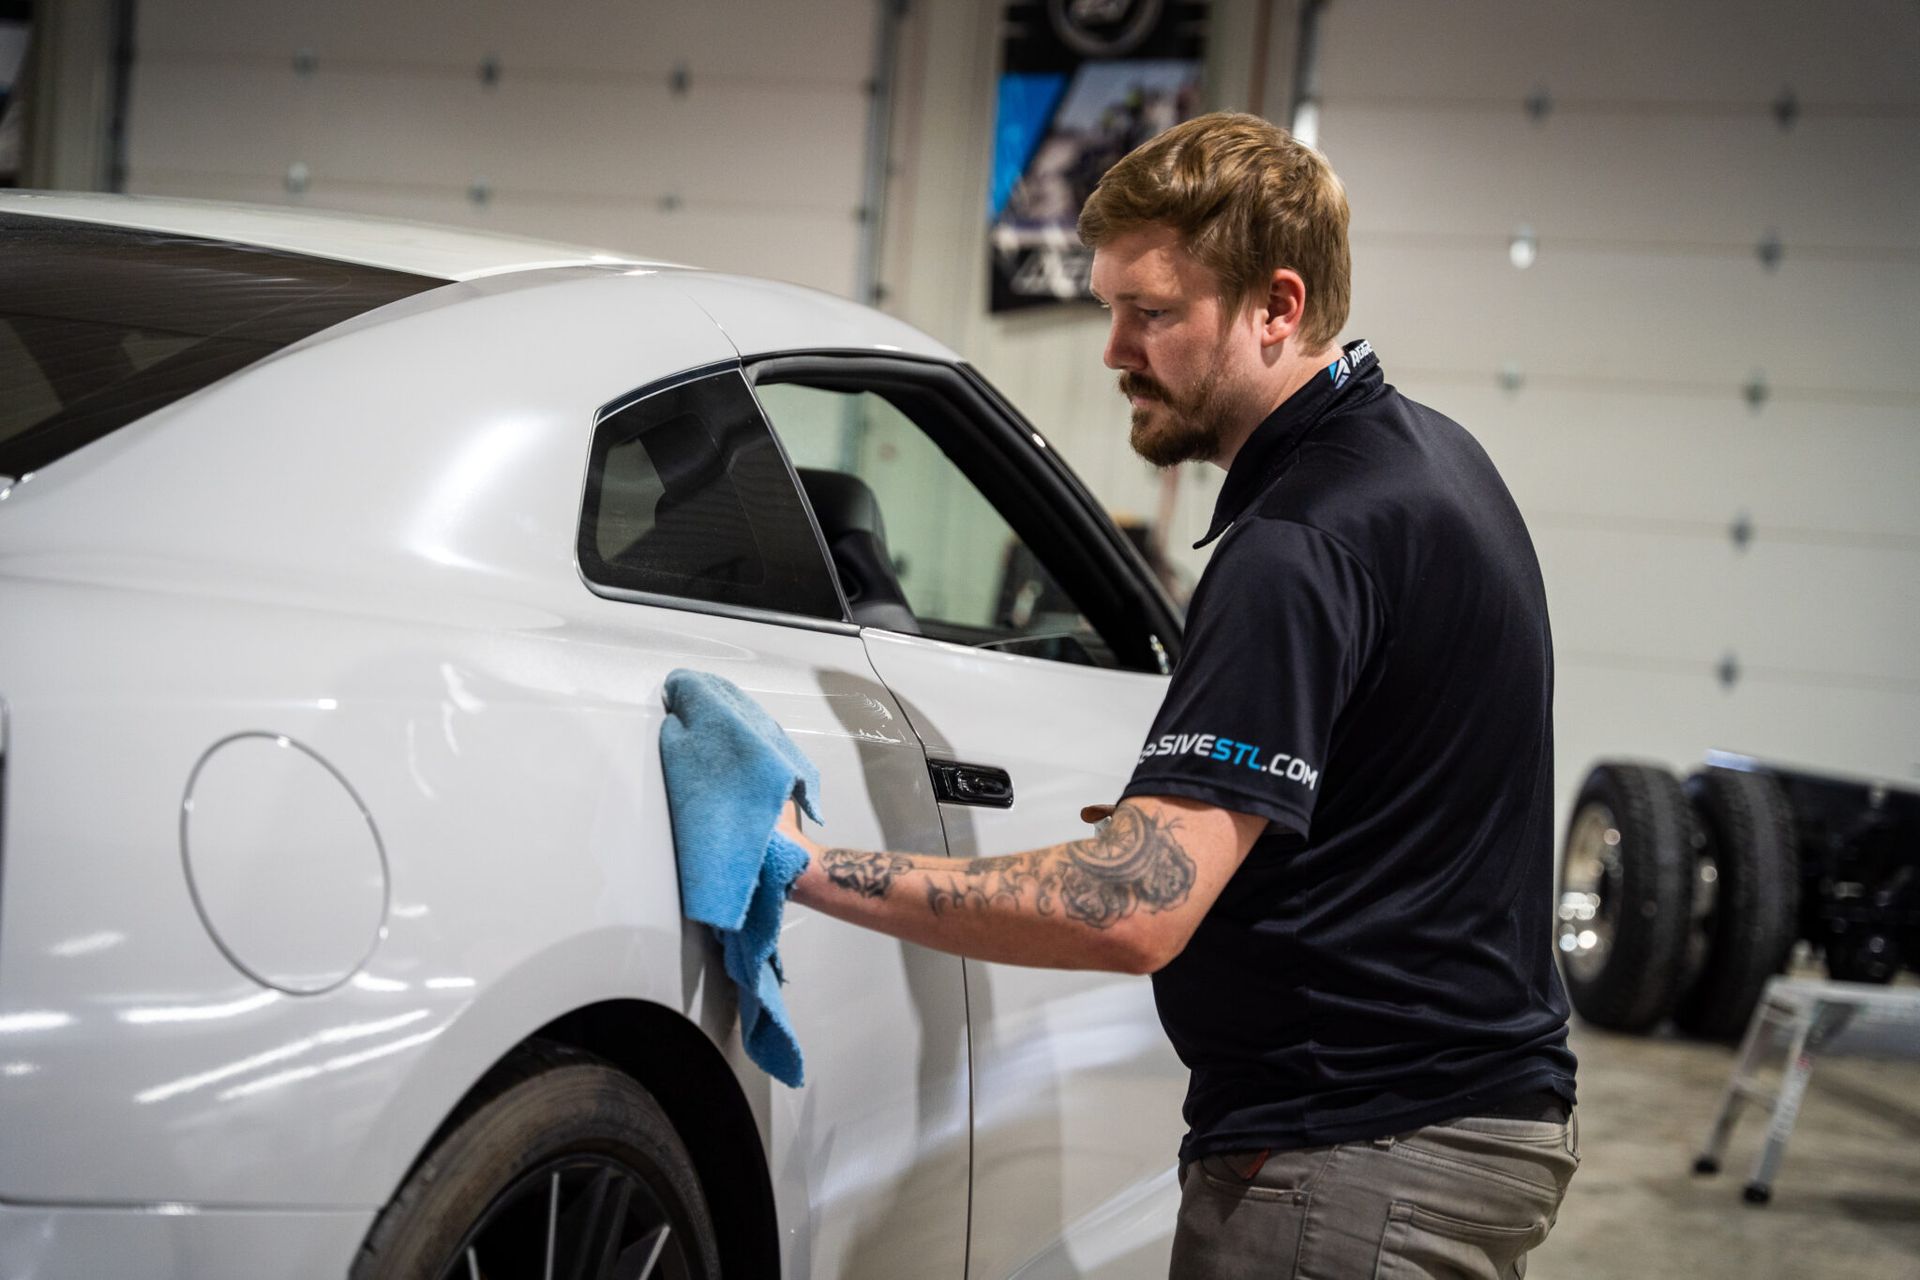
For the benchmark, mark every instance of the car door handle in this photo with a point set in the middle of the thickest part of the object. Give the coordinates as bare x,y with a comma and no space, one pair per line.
976,784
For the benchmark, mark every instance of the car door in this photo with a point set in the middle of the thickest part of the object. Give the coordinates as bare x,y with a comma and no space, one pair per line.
1028,651
694,534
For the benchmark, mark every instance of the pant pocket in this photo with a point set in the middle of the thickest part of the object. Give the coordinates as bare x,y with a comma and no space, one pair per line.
1230,1229
1421,1244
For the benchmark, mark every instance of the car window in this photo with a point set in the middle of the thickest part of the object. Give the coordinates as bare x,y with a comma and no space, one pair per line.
906,526
688,496
100,325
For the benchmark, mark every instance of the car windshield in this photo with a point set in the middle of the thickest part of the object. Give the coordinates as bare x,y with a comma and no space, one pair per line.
100,325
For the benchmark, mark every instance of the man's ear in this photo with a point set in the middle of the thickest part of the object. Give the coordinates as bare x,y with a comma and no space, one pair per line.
1285,309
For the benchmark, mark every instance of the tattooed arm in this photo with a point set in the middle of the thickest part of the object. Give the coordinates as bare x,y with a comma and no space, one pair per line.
1127,898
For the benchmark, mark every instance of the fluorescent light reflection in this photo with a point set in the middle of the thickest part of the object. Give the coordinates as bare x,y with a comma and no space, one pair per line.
86,944
200,1012
341,1063
292,1049
37,1020
367,982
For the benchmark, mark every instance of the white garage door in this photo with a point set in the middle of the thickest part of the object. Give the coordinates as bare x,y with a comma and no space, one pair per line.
730,135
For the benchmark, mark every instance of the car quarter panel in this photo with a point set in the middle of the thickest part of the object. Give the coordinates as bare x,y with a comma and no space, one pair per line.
365,545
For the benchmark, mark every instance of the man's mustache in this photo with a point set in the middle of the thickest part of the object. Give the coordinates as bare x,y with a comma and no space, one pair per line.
1141,386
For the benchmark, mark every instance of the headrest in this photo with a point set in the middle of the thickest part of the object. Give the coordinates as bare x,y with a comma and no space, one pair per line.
842,503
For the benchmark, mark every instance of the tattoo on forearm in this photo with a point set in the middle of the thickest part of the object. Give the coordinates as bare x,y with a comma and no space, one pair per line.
868,874
1136,863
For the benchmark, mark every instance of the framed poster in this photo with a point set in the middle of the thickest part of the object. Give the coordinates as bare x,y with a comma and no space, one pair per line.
1082,83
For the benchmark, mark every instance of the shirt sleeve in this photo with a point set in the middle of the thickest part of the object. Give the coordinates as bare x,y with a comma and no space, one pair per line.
1281,628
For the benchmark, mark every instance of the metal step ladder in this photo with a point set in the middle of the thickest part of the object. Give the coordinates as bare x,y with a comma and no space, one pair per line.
1813,1017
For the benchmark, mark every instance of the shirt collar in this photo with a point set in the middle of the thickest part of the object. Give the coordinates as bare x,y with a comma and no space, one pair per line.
1351,378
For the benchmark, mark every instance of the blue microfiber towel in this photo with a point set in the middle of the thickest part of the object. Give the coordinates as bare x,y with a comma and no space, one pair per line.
730,770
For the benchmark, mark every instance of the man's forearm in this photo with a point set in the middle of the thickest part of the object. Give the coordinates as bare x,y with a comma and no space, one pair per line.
1097,903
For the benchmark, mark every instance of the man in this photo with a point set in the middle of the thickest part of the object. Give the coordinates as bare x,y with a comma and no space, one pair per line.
1334,856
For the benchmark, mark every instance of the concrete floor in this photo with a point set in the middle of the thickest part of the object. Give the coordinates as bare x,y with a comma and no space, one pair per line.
1846,1202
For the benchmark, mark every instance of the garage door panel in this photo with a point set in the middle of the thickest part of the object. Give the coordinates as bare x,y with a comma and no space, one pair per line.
1796,468
1664,317
763,38
185,121
1626,49
1651,595
826,40
758,166
644,140
259,120
593,140
1606,711
1720,179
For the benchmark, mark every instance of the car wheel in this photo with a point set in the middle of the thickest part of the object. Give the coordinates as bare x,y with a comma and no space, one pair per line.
561,1166
1626,896
1755,916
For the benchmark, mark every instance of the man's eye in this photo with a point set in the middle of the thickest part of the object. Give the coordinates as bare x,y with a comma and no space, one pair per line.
1151,313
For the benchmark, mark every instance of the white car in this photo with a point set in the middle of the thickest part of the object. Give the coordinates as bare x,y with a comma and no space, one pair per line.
341,566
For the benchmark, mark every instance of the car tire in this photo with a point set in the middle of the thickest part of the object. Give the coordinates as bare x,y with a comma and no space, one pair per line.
557,1150
1874,959
1755,918
1626,895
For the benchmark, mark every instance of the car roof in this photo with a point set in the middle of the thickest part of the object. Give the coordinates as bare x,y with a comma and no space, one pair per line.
447,253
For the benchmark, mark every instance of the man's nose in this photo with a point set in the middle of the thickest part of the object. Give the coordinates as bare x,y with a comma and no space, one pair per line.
1121,352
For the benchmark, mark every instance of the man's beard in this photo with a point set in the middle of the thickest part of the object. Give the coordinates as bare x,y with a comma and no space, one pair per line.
1191,426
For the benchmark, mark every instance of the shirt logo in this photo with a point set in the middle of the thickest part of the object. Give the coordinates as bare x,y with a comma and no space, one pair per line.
1211,746
1342,369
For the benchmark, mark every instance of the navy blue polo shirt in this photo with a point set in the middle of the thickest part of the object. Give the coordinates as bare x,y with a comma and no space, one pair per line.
1367,666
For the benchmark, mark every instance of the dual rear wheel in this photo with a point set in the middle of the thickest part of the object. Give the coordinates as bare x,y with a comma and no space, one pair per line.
1676,900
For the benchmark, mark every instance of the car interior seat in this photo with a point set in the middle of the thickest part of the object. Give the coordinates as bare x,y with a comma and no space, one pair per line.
856,537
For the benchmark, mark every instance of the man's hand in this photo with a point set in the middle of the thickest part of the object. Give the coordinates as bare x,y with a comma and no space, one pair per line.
789,826
1126,898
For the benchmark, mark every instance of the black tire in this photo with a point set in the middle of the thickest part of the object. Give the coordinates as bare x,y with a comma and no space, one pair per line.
1755,919
1869,957
1626,903
554,1136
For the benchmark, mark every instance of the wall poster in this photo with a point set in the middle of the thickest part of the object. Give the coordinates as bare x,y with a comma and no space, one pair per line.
1082,83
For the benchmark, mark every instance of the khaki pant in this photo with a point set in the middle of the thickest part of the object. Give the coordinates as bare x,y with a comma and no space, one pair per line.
1464,1199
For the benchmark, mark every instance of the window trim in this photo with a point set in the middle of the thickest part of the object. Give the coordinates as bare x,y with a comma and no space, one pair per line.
843,625
1017,453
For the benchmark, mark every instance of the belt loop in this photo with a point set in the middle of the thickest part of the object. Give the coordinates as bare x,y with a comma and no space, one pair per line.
1573,1133
1386,1143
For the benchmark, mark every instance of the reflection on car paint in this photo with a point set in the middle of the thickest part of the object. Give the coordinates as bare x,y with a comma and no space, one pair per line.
292,1049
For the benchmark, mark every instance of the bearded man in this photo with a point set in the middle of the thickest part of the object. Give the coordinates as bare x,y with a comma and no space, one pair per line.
1334,856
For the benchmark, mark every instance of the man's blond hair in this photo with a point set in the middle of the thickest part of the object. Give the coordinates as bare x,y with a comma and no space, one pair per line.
1246,198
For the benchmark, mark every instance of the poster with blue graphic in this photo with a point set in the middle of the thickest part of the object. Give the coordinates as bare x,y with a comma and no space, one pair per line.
1082,83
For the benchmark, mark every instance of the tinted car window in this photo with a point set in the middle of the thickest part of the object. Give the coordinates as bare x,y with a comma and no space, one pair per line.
101,325
965,574
946,515
688,495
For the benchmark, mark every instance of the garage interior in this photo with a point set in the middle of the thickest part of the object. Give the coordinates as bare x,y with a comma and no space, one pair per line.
1662,260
